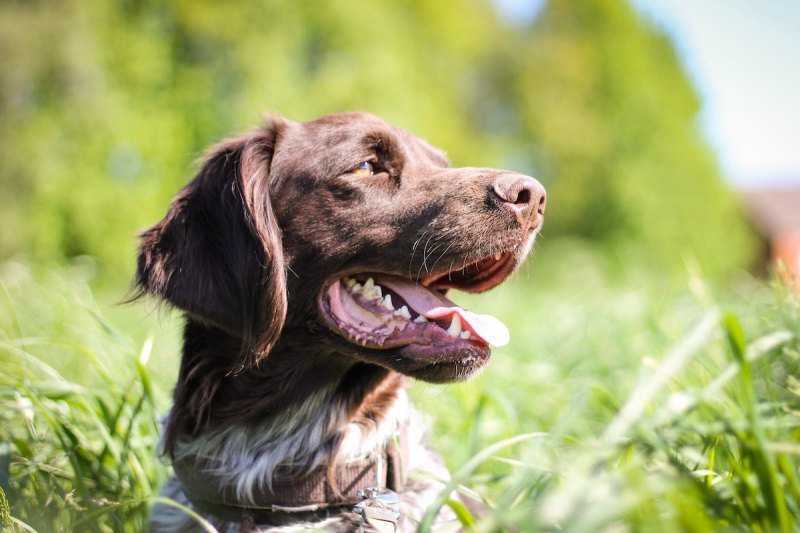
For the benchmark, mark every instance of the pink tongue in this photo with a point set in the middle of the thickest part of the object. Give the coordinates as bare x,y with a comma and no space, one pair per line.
486,327
436,307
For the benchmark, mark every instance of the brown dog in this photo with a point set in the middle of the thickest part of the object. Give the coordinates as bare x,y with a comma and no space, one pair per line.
312,262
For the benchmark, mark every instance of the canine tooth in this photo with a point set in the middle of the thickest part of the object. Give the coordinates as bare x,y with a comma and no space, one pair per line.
420,319
497,256
455,327
466,335
403,312
387,302
369,284
349,282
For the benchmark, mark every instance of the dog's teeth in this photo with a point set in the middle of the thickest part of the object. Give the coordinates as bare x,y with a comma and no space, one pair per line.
356,288
455,327
349,282
420,319
497,256
371,290
466,335
403,312
387,302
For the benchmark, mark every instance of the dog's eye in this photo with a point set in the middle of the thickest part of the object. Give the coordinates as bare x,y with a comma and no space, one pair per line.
363,169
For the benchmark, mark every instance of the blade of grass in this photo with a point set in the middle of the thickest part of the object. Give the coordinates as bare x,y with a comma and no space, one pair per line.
676,358
466,470
763,460
463,514
753,352
20,524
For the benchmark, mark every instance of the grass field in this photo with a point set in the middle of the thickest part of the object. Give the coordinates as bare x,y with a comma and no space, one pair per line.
623,403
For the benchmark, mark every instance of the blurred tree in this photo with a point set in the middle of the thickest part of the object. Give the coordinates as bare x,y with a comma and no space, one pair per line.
612,114
105,103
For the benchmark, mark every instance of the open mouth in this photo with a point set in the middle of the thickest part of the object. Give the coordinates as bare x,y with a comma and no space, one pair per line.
382,311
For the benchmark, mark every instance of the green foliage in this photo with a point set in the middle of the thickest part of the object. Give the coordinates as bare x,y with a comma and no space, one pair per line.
102,118
653,411
633,409
5,512
79,408
613,119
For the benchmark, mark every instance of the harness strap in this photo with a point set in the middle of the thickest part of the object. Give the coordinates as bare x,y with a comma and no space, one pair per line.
308,493
317,495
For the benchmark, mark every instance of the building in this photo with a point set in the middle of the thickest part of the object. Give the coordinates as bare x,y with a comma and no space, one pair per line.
776,215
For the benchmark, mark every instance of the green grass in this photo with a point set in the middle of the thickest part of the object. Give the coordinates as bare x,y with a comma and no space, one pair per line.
622,403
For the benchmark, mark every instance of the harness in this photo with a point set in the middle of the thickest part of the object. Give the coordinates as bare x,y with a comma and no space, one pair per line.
368,486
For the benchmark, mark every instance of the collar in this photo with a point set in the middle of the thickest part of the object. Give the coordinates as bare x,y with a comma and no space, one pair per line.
316,495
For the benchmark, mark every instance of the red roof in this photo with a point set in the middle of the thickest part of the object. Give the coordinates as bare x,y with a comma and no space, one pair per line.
774,210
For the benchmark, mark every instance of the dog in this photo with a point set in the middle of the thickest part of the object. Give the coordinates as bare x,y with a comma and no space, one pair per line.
312,262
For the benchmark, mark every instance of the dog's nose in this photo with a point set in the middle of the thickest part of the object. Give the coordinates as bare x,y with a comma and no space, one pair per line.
523,195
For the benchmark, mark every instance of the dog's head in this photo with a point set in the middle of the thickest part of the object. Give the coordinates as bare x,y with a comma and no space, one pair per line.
343,233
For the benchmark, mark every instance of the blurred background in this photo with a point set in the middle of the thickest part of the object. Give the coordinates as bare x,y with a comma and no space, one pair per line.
642,120
667,133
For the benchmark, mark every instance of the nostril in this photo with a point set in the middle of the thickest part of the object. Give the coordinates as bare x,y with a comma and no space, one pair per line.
522,194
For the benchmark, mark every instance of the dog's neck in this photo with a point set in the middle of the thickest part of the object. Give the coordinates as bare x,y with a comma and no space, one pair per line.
298,409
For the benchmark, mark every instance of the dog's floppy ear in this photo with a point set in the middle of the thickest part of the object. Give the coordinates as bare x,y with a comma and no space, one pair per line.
217,254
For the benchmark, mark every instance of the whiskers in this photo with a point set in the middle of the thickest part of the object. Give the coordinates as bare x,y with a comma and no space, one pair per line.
441,245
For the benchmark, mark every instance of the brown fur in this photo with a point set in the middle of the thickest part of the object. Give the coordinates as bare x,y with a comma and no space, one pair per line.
248,245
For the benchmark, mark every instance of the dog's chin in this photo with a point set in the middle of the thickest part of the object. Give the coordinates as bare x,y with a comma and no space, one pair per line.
410,326
458,363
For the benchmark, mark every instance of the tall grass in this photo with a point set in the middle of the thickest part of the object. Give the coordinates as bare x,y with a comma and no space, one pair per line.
648,408
79,408
622,404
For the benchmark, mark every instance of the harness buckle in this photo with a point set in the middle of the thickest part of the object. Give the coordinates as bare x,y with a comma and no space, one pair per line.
376,509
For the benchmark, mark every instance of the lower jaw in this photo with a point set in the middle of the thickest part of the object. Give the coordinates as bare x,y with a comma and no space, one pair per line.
445,372
440,360
438,368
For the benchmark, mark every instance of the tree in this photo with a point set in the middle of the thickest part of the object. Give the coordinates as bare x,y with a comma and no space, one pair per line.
102,119
612,115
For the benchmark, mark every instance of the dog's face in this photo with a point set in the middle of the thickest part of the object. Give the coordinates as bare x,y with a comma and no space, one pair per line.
346,233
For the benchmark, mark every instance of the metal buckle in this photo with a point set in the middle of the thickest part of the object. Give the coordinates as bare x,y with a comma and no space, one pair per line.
376,509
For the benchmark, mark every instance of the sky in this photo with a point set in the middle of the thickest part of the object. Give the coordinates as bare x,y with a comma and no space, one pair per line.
743,57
